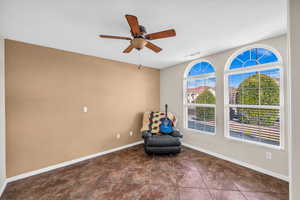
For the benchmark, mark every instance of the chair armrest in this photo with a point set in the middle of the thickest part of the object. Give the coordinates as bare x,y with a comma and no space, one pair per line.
176,133
146,134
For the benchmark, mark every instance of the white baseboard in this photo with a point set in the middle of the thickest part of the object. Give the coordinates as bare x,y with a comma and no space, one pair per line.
244,164
63,164
3,188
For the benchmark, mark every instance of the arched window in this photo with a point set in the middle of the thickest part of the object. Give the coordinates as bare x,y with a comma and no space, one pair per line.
254,97
253,57
199,97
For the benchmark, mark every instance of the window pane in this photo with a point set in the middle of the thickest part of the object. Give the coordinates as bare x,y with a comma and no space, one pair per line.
233,83
268,58
243,123
201,118
257,53
244,56
255,124
270,126
244,88
269,85
201,91
201,68
255,88
236,64
191,91
253,57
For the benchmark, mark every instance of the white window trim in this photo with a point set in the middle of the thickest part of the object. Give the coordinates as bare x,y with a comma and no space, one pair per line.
262,67
186,105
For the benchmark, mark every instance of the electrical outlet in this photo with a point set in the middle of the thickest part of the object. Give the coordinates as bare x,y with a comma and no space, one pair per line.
268,155
118,136
130,133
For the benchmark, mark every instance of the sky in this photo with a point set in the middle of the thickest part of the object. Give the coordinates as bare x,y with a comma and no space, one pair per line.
235,79
246,59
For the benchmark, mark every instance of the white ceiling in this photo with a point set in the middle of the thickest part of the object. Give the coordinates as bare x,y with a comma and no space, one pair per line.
207,26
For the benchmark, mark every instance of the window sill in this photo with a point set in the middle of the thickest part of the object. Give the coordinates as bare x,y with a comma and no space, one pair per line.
198,131
255,143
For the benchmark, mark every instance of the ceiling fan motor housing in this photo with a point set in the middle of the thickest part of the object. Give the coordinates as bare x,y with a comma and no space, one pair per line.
142,29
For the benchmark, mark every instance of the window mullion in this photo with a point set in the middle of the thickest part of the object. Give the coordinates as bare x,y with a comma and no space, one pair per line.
259,100
201,105
254,106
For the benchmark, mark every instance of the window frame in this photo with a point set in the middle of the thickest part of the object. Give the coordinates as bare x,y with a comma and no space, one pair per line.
256,68
186,105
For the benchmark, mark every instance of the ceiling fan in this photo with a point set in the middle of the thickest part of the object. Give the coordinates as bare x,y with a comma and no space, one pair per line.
139,39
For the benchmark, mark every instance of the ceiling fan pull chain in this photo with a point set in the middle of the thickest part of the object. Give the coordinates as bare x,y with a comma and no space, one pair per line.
139,60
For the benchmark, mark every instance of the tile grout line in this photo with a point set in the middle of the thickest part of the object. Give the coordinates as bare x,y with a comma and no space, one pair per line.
205,184
238,162
177,185
238,189
217,189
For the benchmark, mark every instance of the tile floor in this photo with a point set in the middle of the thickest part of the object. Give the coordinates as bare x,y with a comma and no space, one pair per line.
131,174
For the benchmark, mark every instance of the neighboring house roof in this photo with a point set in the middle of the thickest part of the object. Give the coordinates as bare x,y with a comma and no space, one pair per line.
197,90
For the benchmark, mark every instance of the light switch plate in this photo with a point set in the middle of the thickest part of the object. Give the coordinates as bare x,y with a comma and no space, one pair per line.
85,109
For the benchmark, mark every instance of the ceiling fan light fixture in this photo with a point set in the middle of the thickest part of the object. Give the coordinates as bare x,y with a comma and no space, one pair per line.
138,43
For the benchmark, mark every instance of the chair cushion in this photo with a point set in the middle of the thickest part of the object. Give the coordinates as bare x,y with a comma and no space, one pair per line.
162,141
176,134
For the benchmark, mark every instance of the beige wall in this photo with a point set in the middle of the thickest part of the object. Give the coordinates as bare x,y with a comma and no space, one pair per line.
46,90
2,116
172,94
294,42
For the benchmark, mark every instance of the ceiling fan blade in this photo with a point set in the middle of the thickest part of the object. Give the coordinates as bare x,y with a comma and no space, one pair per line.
114,37
134,24
162,34
128,49
153,47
